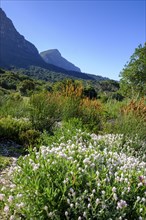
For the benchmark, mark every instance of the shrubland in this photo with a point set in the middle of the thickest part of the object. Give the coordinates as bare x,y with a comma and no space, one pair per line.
84,146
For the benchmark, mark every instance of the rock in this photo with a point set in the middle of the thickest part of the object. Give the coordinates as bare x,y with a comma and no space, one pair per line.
14,49
54,57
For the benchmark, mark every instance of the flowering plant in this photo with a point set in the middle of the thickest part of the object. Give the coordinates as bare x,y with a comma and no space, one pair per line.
84,176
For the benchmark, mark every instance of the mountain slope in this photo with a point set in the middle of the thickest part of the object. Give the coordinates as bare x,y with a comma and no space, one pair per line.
16,52
14,49
54,57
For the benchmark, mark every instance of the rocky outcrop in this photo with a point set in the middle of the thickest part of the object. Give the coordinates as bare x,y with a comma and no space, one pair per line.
54,57
14,49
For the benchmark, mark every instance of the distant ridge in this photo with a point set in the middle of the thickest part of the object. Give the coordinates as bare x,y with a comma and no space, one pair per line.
54,57
16,52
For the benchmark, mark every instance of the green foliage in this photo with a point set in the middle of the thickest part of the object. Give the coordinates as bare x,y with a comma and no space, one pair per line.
70,108
15,81
44,111
65,131
117,96
11,128
133,76
112,109
90,92
105,87
44,74
4,162
26,86
91,114
78,176
30,137
14,105
132,128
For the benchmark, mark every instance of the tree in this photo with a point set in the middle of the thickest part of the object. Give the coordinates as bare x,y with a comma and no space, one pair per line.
90,92
133,75
25,86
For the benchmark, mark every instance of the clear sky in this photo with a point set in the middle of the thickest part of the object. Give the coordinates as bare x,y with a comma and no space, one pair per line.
97,36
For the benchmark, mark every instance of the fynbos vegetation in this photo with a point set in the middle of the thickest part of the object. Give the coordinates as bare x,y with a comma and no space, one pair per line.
83,147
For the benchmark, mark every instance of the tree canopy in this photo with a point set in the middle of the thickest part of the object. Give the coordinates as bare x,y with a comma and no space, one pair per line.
133,75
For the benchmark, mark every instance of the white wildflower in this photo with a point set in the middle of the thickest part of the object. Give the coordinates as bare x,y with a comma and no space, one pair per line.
121,204
10,199
45,208
84,214
2,197
140,184
115,197
97,201
114,189
6,209
71,205
12,217
66,213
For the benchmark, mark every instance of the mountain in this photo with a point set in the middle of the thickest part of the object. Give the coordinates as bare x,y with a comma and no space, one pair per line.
14,49
98,78
16,52
54,57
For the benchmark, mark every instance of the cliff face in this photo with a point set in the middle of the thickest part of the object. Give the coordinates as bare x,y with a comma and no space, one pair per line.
14,49
54,57
17,52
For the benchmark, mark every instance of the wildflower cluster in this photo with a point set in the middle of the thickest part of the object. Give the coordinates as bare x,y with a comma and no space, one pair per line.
82,177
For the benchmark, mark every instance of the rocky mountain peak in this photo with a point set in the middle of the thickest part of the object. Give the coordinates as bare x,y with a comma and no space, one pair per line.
17,52
53,56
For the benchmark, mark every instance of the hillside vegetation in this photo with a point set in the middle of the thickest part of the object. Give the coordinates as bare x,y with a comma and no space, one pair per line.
83,146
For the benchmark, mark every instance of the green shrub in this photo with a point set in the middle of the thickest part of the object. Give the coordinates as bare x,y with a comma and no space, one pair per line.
131,127
44,111
65,131
30,137
26,86
91,114
113,108
13,105
4,162
70,107
11,128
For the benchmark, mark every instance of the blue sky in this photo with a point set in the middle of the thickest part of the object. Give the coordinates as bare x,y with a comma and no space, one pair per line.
97,36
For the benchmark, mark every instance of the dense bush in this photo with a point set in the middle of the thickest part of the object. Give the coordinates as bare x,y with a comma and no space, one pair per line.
13,105
91,114
11,128
70,107
29,137
127,119
136,107
26,86
44,110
